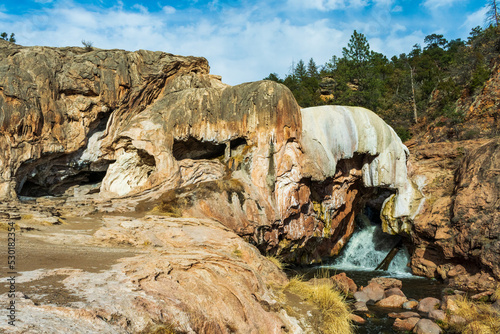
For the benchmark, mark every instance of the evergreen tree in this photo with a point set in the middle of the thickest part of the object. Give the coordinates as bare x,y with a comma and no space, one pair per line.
6,37
312,69
300,71
358,49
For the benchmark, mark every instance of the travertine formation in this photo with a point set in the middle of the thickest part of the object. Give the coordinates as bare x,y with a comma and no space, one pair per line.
287,180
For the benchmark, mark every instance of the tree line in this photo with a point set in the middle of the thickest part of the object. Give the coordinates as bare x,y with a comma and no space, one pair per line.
6,37
420,85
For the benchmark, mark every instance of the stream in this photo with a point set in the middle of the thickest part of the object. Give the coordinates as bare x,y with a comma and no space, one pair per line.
365,250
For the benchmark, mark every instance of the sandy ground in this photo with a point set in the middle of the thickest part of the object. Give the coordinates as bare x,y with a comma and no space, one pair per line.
48,247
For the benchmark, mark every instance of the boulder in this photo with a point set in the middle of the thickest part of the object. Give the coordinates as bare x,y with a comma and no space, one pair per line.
345,283
394,301
361,296
410,305
387,282
374,292
437,315
428,304
457,320
405,325
394,291
426,326
449,304
360,306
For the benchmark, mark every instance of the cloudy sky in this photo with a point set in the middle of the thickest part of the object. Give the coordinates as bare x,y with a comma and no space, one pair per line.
243,40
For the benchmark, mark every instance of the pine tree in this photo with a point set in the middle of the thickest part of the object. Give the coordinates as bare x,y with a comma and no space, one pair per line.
300,71
312,69
358,49
6,37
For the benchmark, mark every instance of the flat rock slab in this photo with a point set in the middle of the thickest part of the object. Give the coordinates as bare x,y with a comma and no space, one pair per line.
404,315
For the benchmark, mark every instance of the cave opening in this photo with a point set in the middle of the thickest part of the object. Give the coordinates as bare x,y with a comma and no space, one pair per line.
195,149
238,143
51,185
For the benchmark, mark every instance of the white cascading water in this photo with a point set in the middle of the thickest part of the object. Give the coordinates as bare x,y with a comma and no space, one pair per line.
367,248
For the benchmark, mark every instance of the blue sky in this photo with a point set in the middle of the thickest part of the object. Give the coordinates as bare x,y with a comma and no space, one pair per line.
242,40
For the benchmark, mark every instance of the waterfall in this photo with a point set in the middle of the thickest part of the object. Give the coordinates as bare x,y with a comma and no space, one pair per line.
367,248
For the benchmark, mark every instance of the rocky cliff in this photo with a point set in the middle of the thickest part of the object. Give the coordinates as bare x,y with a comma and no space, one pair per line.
456,234
160,129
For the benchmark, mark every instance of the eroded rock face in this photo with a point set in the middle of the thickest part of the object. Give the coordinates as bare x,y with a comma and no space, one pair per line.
160,129
53,100
456,234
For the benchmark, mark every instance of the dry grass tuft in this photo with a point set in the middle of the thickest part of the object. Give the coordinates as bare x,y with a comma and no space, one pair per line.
480,318
334,310
496,294
277,261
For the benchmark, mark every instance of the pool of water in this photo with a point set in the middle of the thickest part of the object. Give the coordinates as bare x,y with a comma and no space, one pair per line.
365,250
414,287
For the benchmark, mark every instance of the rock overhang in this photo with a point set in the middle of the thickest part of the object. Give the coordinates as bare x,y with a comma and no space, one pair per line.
162,122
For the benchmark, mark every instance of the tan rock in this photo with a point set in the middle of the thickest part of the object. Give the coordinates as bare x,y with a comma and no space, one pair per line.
345,283
374,292
394,301
403,315
410,305
426,326
428,304
360,306
405,324
357,319
437,315
387,282
394,291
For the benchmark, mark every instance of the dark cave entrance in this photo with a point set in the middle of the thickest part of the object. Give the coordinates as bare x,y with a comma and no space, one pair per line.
33,187
196,149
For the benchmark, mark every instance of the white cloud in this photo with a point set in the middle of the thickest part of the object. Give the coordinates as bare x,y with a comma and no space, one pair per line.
478,18
397,9
141,8
328,5
168,9
242,43
435,4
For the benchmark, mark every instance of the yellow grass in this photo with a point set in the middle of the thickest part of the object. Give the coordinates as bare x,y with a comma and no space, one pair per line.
332,305
480,318
496,295
276,260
